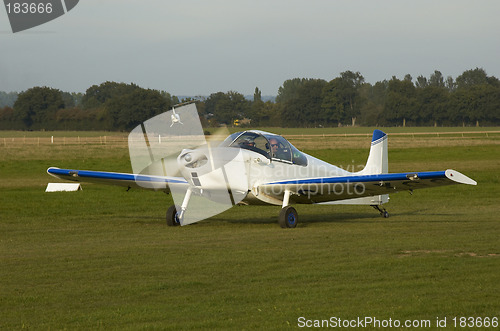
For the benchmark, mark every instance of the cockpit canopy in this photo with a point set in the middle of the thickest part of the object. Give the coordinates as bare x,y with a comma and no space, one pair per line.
272,146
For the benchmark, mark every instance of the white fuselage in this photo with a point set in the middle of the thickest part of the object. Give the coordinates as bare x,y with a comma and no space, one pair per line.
240,172
267,171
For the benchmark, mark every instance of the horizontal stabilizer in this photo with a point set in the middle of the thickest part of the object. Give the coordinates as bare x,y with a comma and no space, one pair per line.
375,200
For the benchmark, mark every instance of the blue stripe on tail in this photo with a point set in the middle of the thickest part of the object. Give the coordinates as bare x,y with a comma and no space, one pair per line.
377,134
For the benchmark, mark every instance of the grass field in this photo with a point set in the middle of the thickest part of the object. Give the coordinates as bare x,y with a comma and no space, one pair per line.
102,258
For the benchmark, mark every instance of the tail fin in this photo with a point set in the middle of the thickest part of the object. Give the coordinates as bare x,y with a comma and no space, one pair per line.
378,162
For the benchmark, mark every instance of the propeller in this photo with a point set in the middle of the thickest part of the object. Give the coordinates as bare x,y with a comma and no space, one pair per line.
172,144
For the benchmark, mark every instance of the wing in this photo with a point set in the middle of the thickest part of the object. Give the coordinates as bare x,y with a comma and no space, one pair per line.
116,178
323,189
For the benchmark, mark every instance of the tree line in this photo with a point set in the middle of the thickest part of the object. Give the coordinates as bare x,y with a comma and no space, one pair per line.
472,99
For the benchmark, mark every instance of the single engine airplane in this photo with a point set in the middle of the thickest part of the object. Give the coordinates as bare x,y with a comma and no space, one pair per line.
250,168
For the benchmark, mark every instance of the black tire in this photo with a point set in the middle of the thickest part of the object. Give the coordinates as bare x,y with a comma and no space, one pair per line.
288,217
172,216
385,214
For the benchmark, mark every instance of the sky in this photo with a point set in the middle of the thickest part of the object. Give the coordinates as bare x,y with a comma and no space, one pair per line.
199,47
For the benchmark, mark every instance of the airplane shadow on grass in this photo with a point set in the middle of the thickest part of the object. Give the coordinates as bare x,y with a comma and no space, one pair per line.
306,219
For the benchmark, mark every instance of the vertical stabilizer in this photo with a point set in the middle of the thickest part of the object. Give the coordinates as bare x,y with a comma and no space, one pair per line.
378,162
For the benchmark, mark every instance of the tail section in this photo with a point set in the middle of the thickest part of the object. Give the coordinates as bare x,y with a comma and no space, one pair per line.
378,162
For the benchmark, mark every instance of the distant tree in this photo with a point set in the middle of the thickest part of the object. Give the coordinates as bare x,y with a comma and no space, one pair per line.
303,109
476,98
432,105
436,79
373,106
6,113
126,105
69,101
38,105
258,112
171,99
77,98
227,107
421,82
266,114
332,106
82,119
289,89
7,99
257,95
472,77
400,104
460,103
7,119
97,95
131,109
450,84
485,104
341,98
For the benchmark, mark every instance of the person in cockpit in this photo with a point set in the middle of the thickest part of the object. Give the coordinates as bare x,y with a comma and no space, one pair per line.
276,151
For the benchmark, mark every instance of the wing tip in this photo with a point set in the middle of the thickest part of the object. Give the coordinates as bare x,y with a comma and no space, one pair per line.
459,177
50,170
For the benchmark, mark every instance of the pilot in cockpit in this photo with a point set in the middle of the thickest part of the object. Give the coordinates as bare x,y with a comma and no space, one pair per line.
276,151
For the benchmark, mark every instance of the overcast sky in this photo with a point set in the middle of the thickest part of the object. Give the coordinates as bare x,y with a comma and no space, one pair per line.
199,47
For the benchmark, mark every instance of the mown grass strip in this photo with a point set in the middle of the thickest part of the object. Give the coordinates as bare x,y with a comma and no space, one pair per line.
103,257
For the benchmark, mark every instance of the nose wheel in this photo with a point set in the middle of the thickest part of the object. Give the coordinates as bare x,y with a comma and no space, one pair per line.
288,217
173,216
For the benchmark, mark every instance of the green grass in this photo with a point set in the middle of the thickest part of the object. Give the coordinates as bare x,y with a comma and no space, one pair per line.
103,257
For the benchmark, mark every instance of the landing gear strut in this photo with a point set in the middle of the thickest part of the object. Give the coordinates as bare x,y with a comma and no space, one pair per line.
384,213
175,214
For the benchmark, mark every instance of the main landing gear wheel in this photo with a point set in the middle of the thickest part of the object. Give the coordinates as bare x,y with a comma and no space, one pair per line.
173,216
384,213
288,217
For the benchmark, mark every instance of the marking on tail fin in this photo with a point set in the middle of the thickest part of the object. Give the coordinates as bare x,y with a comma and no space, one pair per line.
378,136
